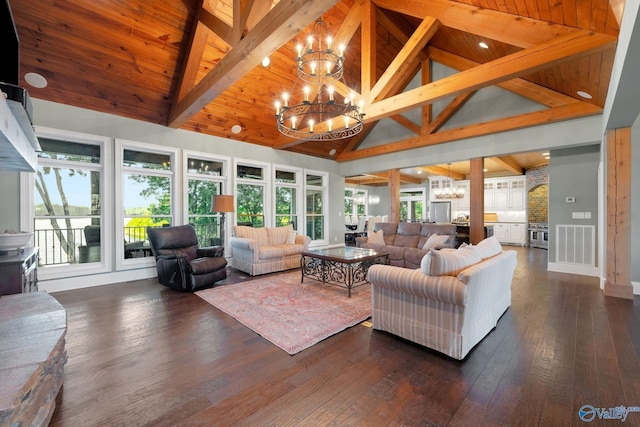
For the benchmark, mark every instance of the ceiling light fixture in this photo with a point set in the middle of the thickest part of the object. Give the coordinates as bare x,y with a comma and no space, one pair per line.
483,45
449,193
266,61
584,94
36,80
319,117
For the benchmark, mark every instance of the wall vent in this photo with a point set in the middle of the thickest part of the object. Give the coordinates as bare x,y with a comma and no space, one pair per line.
575,244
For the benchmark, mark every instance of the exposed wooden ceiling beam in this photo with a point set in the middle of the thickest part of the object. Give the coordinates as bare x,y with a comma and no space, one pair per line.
440,171
402,120
522,87
566,112
280,25
526,61
218,26
448,111
509,164
407,55
504,27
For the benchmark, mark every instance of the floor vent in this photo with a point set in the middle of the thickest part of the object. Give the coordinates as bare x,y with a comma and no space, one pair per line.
575,244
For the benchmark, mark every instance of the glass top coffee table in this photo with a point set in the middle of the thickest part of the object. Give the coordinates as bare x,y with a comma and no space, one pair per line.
344,267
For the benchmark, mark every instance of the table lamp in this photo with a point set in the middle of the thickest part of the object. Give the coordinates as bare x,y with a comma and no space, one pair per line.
222,203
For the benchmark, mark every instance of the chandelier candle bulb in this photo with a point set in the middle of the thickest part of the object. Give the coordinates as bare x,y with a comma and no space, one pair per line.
299,49
311,126
293,122
330,90
341,50
277,108
313,68
306,93
285,97
330,124
329,40
346,122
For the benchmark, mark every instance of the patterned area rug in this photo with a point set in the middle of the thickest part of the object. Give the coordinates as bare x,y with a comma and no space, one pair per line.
291,315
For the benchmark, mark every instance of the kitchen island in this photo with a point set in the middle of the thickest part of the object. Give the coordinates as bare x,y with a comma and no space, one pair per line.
462,233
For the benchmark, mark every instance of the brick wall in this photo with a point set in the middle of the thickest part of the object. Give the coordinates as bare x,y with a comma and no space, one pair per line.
538,188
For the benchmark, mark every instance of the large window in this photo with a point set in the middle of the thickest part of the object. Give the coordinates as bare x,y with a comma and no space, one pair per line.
287,186
67,202
147,194
355,201
251,194
206,177
412,205
316,194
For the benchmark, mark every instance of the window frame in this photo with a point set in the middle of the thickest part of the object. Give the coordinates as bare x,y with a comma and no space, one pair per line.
27,187
265,182
298,186
174,173
324,188
224,181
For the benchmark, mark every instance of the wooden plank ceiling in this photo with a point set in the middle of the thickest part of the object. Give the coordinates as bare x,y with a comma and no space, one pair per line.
195,64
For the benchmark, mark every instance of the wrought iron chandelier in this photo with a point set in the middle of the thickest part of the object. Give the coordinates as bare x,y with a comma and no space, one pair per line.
449,193
319,116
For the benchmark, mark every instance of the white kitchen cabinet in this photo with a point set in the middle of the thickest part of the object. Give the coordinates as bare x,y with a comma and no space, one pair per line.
463,203
510,233
489,193
505,194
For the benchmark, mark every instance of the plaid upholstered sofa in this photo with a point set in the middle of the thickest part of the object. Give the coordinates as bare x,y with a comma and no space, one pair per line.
405,240
451,302
266,249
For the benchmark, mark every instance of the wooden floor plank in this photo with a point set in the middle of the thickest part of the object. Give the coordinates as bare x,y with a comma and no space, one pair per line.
141,354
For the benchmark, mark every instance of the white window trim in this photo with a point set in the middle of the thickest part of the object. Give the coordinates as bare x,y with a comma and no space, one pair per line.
176,183
422,198
27,204
224,179
299,193
325,205
266,182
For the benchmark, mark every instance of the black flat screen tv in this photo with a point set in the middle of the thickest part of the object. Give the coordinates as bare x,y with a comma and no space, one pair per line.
10,65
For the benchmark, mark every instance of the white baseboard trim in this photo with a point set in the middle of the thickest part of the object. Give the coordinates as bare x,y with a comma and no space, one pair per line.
79,282
573,269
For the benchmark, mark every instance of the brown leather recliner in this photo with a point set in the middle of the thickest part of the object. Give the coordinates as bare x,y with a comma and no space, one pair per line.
181,265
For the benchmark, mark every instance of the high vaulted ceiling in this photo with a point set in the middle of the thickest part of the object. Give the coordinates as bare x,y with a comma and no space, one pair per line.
195,64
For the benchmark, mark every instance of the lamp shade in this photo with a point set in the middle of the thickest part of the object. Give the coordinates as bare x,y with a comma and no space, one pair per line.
222,203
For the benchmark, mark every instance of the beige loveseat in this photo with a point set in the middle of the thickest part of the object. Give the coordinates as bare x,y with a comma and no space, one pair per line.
265,249
405,240
451,308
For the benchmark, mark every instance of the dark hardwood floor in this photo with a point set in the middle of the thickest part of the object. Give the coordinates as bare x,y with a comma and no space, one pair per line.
141,354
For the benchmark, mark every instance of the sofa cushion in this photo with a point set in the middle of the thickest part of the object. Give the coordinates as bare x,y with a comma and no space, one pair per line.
489,247
271,252
413,257
408,234
376,237
435,240
449,263
389,229
396,254
278,235
258,234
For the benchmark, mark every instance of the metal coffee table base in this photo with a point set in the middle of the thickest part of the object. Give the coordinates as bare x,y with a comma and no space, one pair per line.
338,273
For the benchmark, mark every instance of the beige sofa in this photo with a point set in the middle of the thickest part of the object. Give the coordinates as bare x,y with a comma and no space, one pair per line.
265,249
453,307
404,241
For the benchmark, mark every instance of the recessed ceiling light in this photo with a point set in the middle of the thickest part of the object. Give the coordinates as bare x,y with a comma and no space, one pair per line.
419,171
547,157
545,154
332,152
485,170
483,45
36,80
236,128
266,61
584,94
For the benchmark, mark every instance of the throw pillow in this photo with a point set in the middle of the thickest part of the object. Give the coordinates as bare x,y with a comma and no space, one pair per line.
376,237
452,263
291,237
435,240
425,264
489,247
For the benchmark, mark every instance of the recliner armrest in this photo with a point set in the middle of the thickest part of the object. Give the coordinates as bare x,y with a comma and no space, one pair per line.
210,251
